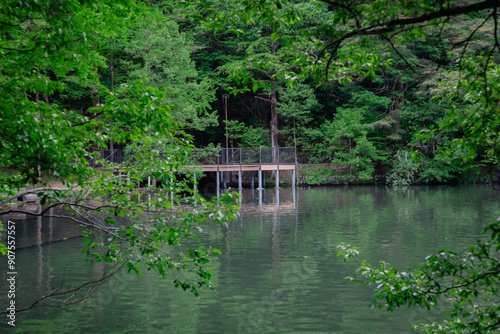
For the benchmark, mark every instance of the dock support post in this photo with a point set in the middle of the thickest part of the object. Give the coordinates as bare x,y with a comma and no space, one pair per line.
260,178
172,190
293,178
277,178
225,176
128,182
240,181
252,181
217,180
149,181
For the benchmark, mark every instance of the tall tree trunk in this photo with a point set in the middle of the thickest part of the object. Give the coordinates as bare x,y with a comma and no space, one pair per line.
112,88
94,98
274,115
274,112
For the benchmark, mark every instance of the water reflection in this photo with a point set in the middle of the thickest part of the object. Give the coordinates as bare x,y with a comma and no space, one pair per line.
32,230
278,270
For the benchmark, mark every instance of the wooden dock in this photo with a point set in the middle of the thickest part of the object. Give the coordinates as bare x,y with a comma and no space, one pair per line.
242,159
249,159
243,168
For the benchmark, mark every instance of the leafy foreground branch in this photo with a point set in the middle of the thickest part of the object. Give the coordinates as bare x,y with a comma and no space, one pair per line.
152,229
469,281
53,48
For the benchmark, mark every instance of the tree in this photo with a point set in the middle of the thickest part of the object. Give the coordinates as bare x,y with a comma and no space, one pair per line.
46,46
347,46
152,47
347,137
296,108
468,281
263,67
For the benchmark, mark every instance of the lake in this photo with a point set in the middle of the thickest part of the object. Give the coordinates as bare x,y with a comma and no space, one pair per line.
278,271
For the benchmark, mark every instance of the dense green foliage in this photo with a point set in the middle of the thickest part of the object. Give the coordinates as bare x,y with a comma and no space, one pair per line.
356,84
334,56
469,281
297,67
417,80
56,111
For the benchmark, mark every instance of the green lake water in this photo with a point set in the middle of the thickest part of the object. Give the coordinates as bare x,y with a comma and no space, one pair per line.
278,271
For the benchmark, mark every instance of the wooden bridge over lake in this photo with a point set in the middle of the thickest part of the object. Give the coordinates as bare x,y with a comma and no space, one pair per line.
247,159
229,160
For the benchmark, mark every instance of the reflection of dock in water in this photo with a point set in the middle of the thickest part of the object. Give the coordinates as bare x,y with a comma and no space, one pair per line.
36,230
285,207
269,201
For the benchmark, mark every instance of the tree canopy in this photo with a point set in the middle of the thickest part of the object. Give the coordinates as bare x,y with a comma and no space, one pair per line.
451,48
349,83
57,115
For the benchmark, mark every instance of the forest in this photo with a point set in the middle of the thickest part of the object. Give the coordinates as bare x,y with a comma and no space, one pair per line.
404,89
382,106
389,116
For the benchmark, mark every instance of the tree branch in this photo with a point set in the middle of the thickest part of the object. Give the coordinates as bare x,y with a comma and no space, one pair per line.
263,99
398,53
374,29
392,25
496,272
93,287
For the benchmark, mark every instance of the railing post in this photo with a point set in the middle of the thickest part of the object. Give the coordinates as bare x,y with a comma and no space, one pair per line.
240,181
278,169
296,164
128,183
260,177
218,177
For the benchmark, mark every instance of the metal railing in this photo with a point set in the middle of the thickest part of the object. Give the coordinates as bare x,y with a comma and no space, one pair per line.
114,156
226,156
258,156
